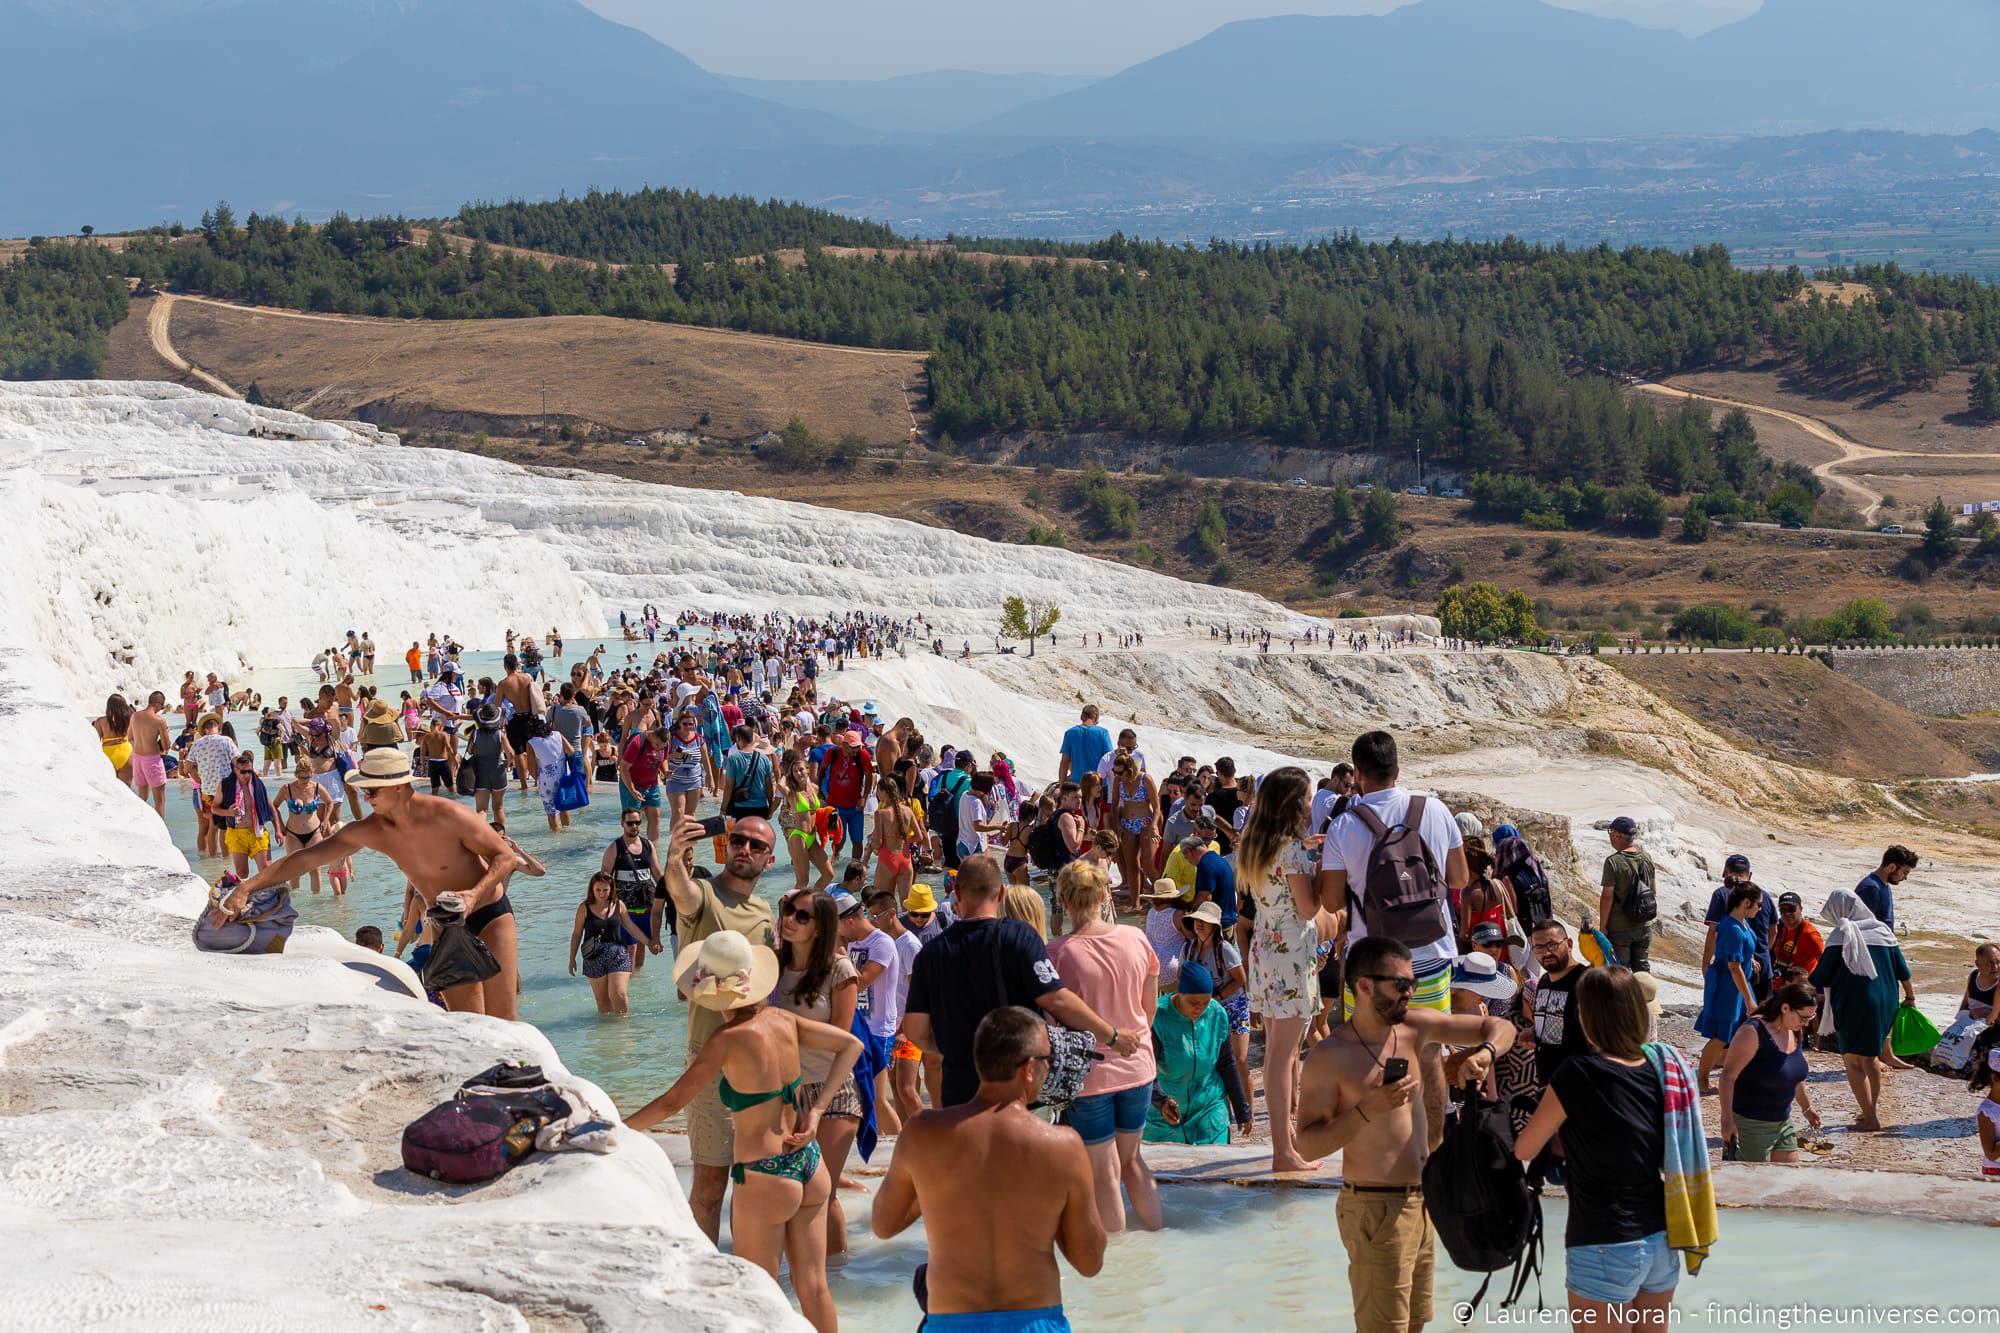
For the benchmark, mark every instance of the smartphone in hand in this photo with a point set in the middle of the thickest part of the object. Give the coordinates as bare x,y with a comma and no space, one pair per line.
1394,1070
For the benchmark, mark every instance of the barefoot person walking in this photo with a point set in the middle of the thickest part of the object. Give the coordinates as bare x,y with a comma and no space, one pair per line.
998,1191
443,848
779,1212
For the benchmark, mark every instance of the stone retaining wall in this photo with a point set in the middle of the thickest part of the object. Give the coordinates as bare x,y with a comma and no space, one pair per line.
1944,682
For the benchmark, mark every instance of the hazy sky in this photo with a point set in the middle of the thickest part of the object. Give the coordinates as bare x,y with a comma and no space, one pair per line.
872,39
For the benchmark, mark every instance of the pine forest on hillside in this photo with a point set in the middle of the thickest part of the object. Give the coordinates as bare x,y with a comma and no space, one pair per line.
1494,357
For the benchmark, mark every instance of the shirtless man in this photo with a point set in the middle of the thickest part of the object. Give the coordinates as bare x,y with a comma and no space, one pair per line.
443,847
517,687
150,738
889,750
343,697
1381,1130
997,1189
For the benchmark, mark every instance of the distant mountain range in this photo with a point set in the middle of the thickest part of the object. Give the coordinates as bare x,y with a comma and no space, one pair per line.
939,102
129,112
1495,68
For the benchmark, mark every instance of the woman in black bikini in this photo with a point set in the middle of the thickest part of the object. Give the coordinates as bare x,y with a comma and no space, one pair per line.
778,1208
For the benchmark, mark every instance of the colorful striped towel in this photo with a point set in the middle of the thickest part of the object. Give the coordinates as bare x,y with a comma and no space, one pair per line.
1691,1222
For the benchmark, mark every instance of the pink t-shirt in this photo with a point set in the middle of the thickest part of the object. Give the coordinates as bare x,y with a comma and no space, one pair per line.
1114,974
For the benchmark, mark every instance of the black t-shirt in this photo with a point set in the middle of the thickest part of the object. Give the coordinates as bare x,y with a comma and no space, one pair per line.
1612,1132
1224,800
1558,1036
966,973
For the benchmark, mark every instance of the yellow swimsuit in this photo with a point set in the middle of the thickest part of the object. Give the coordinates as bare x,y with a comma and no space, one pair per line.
117,749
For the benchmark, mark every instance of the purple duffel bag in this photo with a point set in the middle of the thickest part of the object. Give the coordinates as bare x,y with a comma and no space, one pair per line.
476,1137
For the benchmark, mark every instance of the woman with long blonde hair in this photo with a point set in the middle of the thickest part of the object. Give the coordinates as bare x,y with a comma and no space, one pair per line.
1273,866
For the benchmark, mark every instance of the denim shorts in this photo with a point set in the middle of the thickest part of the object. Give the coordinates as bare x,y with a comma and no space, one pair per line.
1615,1274
1098,1117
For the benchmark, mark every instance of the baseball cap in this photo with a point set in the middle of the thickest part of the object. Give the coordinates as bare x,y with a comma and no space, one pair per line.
1790,900
1737,861
1624,826
1488,932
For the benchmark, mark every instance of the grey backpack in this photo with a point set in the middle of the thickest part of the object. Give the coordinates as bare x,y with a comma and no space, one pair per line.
1402,890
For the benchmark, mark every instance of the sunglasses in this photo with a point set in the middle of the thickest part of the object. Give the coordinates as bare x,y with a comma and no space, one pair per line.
802,915
922,916
1401,985
744,840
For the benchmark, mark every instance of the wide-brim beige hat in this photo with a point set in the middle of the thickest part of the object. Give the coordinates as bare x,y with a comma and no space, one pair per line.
382,768
1166,890
1650,989
726,971
1210,912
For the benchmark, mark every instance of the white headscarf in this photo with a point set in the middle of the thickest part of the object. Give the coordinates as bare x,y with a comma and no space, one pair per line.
1855,930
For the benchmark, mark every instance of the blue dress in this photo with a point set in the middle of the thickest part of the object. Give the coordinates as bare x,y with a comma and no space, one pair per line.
1721,1002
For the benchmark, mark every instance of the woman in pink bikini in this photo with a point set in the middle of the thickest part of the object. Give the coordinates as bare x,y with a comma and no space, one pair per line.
896,833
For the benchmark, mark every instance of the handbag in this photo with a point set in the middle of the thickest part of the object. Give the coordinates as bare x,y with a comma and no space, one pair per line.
263,926
1071,1053
458,957
573,791
463,784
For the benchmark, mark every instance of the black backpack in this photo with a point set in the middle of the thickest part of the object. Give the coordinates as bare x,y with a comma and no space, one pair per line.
1046,848
1487,1213
942,811
1402,890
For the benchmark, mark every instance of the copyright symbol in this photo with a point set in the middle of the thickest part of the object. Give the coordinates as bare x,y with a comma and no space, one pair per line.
1462,1312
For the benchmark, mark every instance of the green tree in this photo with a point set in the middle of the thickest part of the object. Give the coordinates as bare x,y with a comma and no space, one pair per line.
1481,611
1695,524
1028,618
1380,521
1864,620
1792,502
1984,402
1940,532
1115,510
1641,508
796,449
1210,531
1713,622
1340,509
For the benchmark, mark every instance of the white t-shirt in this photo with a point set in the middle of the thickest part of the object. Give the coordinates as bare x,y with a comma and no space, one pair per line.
881,1004
971,811
1104,764
1348,843
908,946
1322,810
288,722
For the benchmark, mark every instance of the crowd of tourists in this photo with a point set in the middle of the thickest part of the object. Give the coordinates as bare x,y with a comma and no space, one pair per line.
1022,987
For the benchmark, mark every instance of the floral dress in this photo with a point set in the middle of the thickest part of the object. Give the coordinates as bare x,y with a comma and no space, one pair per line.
1284,947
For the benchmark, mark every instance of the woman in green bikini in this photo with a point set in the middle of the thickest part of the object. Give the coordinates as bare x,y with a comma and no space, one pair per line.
778,1208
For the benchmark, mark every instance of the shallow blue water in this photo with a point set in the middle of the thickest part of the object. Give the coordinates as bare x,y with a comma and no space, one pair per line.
633,1058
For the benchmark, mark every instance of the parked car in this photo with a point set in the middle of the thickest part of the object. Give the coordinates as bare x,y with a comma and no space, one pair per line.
1417,490
1365,486
635,440
1792,525
1893,529
1453,492
1298,481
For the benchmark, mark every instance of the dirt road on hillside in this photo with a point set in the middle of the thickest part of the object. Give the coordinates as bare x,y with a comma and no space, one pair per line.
159,322
1851,451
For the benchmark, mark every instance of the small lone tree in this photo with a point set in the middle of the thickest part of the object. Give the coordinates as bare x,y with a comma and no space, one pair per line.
1028,618
1940,532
